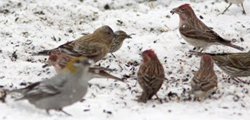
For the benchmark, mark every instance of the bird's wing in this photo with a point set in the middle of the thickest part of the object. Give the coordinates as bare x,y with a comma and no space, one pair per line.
43,89
63,61
90,50
198,30
68,48
209,83
205,83
240,61
151,81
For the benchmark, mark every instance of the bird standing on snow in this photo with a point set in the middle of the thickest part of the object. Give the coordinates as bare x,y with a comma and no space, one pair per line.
237,2
233,64
195,32
150,75
64,89
94,46
204,81
2,95
59,60
118,41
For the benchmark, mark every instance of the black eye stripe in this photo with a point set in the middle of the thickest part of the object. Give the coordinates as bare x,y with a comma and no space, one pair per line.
78,61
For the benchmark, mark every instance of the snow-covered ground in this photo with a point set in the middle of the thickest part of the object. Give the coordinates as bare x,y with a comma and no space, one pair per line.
31,25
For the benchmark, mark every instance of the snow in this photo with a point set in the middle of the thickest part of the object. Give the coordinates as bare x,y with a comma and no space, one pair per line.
33,25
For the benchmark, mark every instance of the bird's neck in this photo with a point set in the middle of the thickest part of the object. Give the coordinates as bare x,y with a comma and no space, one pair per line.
187,16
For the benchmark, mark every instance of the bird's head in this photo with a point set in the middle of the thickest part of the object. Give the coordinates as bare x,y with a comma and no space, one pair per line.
106,33
206,63
121,35
78,64
184,11
148,55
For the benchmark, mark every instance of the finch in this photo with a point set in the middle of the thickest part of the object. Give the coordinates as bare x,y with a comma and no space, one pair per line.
59,60
237,2
150,75
93,46
233,64
118,41
195,32
66,88
204,81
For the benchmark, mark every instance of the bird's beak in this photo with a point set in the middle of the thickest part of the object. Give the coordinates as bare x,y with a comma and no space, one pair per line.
129,36
175,10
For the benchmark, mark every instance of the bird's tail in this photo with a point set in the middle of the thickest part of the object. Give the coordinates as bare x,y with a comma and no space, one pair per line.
104,74
235,46
198,53
44,52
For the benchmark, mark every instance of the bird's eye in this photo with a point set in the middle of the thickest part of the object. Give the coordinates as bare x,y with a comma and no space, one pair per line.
78,61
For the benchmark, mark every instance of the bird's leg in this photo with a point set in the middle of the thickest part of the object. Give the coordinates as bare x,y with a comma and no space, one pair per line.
159,99
61,110
113,55
47,111
244,12
226,8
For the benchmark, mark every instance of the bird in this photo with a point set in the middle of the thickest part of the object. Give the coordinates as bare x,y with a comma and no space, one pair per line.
150,75
64,89
3,94
237,2
94,46
59,60
195,32
233,64
204,82
118,41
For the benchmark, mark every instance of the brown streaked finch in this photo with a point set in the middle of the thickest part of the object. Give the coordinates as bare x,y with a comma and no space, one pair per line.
93,46
118,41
150,75
234,64
59,60
237,2
204,82
195,32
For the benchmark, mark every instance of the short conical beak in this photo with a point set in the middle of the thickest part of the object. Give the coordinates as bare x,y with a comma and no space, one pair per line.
129,36
175,10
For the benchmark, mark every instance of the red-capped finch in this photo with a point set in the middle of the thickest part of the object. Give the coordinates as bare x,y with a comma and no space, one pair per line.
150,75
195,32
204,82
